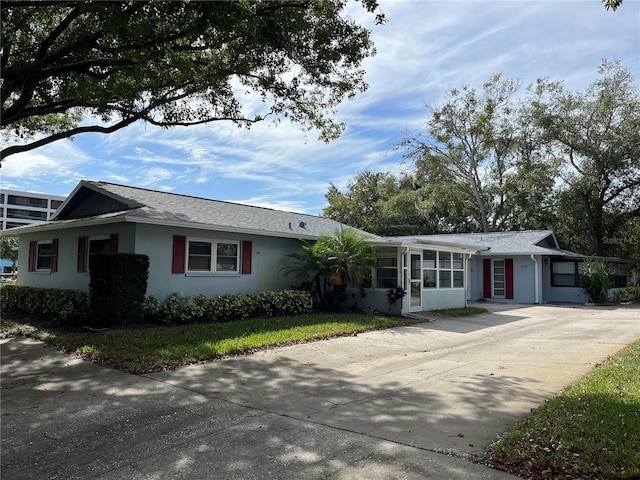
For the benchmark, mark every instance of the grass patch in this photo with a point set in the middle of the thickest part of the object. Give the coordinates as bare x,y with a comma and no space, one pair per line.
461,312
151,349
591,430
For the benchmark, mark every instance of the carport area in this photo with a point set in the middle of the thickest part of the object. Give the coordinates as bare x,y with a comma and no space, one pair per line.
410,402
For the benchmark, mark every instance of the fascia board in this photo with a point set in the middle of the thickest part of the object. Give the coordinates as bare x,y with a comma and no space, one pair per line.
546,253
452,246
82,183
440,246
123,217
64,224
213,227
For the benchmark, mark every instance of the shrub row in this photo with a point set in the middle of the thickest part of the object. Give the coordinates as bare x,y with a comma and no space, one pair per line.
228,307
627,294
68,306
73,306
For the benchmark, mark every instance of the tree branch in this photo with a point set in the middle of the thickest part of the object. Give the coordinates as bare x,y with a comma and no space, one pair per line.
61,27
66,134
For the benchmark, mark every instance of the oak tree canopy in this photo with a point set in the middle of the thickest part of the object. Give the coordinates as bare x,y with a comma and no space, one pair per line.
84,66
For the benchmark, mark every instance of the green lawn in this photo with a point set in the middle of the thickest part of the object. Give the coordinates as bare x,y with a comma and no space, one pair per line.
591,430
149,349
461,312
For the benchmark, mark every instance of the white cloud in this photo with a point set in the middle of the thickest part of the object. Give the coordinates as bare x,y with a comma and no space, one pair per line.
426,48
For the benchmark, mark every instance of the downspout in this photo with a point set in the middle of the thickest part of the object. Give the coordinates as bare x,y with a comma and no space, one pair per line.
466,280
536,277
405,270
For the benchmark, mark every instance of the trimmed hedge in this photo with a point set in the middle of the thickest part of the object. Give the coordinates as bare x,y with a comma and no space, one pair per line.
73,306
117,288
69,306
229,307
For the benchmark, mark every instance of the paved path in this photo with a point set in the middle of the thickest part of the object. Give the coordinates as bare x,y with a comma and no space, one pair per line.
389,404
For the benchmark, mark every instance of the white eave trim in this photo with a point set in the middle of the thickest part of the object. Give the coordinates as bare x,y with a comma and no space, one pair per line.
430,245
219,228
121,217
528,253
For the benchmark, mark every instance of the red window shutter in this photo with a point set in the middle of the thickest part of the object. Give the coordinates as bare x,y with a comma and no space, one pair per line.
486,277
33,246
179,253
508,278
246,257
54,255
113,243
82,245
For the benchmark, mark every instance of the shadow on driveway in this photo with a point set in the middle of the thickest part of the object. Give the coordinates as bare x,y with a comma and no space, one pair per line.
65,418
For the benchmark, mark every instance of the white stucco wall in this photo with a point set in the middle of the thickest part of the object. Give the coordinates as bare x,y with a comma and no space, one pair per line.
268,259
560,294
524,280
67,275
375,299
443,298
474,285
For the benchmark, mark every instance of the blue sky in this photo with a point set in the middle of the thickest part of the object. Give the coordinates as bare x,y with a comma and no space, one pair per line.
425,49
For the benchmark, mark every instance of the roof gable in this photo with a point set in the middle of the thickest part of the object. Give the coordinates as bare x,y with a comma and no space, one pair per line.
548,242
88,201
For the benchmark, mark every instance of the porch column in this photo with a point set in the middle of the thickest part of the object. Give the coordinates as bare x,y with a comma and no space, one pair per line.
536,278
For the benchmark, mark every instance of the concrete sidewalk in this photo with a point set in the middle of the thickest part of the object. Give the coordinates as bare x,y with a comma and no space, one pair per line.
411,402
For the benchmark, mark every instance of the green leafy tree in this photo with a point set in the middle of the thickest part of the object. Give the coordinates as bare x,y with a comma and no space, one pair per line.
595,135
612,4
626,243
416,202
482,143
70,67
361,205
380,203
9,250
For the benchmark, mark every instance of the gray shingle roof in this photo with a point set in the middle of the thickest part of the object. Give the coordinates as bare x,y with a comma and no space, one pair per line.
171,208
500,243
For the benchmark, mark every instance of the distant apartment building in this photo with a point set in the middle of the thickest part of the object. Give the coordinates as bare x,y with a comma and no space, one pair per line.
25,208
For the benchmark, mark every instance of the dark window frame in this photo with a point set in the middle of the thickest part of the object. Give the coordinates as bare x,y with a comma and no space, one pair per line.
575,275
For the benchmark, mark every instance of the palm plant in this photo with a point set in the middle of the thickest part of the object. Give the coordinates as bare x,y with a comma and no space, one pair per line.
349,255
595,280
308,265
332,263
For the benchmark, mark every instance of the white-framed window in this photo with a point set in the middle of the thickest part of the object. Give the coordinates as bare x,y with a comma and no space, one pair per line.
457,269
44,256
430,269
386,273
442,269
227,256
213,256
199,253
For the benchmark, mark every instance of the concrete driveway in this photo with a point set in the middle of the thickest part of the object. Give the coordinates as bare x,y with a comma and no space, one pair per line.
412,402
